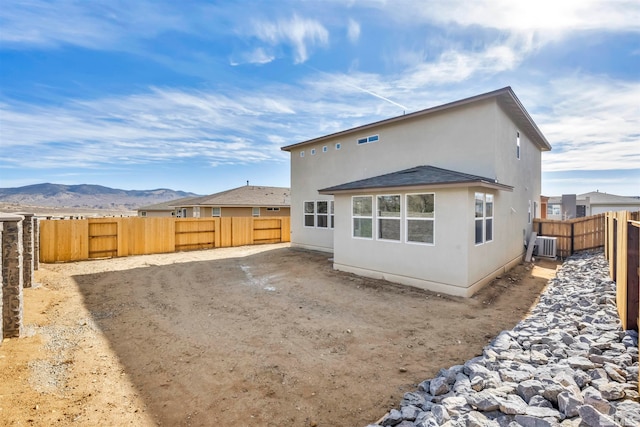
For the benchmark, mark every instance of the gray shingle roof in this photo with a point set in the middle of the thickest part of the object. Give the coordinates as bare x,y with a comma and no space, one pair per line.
165,206
418,176
247,195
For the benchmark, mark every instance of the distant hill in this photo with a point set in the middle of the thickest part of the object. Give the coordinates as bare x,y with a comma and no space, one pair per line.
86,196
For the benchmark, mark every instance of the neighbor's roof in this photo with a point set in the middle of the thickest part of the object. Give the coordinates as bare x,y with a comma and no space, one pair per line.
419,176
166,206
247,195
599,198
505,97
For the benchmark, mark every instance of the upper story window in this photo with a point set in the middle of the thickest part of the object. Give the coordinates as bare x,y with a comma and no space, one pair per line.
338,146
313,151
518,145
325,149
255,211
143,213
216,211
273,209
368,139
302,153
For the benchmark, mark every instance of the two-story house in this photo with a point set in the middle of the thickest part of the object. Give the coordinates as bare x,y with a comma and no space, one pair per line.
441,199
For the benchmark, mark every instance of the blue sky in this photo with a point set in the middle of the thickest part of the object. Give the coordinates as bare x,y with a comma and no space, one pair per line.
200,95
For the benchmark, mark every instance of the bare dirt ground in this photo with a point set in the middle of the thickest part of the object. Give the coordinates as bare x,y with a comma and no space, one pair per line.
250,336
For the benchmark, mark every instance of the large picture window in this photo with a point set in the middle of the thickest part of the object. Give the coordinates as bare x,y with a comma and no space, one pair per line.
483,218
362,216
420,218
389,217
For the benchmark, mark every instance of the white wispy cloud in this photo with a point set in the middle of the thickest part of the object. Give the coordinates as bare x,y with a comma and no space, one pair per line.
301,34
96,24
593,123
353,31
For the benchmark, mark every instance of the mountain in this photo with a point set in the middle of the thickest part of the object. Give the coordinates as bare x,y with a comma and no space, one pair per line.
86,196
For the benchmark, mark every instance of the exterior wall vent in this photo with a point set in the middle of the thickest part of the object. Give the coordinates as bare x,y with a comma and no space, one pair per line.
546,246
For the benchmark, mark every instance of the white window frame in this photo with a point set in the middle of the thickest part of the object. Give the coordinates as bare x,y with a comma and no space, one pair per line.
324,215
213,211
518,154
196,211
302,153
529,213
306,214
338,146
325,148
484,219
143,213
255,211
397,218
332,215
362,217
368,139
313,151
414,218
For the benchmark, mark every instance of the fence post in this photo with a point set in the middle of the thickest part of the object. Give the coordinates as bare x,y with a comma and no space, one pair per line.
633,285
12,276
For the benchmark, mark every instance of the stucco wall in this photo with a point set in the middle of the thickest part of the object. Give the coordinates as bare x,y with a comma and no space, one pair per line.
511,219
460,139
439,267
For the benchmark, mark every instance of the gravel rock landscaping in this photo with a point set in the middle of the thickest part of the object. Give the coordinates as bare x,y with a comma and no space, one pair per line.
569,363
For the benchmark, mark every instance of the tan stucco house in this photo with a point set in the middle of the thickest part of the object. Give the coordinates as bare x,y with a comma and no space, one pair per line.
441,199
248,200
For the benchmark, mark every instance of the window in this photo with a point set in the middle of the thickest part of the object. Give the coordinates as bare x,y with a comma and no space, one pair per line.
518,145
196,211
529,213
483,218
389,217
338,146
309,214
302,153
325,149
331,215
255,211
553,209
362,214
322,214
368,139
216,211
420,218
273,209
143,213
313,151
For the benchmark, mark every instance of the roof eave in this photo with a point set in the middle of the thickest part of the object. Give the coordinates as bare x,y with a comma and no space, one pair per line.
465,184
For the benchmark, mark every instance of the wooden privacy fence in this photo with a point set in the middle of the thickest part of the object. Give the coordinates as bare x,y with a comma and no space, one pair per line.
81,239
622,250
573,235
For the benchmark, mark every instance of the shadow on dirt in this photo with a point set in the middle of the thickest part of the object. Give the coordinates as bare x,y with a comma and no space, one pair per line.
279,338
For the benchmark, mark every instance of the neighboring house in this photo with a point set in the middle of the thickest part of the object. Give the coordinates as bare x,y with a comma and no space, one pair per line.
570,206
440,199
248,200
163,209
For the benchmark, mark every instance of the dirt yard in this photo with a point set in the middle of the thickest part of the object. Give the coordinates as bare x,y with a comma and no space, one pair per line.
250,336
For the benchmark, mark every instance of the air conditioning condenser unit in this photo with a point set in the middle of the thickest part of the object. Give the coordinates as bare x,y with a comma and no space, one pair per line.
546,246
